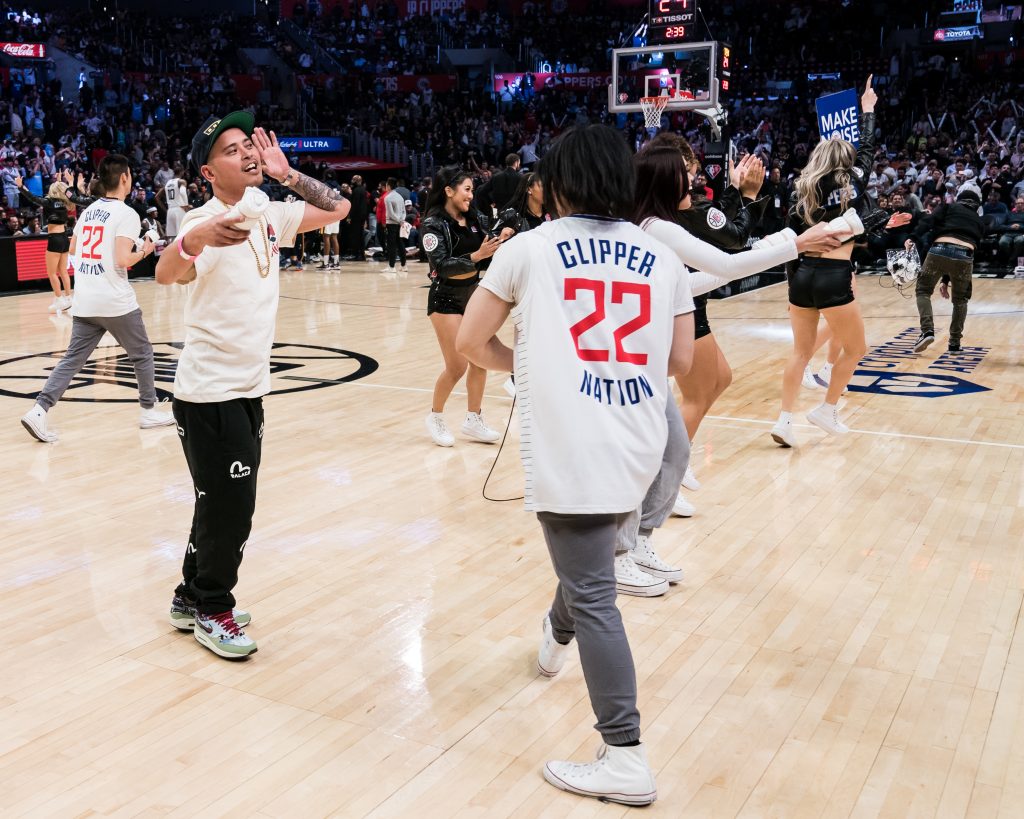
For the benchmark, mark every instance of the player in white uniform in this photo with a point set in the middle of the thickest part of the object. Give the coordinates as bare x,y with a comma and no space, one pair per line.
175,196
103,248
603,315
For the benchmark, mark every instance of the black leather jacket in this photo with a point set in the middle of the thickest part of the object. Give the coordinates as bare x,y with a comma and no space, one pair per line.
441,245
829,191
725,225
55,212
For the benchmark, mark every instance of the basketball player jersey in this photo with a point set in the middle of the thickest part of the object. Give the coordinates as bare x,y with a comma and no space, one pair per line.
175,193
595,301
101,287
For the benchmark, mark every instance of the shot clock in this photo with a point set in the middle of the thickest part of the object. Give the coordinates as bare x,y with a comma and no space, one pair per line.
671,21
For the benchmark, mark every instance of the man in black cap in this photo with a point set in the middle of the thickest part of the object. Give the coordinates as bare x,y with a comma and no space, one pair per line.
230,262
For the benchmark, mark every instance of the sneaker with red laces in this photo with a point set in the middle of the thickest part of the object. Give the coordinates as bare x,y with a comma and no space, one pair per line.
223,636
183,614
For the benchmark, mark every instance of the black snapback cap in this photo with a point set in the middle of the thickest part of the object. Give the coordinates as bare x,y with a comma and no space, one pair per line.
202,142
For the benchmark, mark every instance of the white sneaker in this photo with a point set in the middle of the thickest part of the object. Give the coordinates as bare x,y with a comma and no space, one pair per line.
620,775
35,422
690,480
475,428
828,420
55,305
823,377
1018,271
403,269
629,579
510,386
808,379
647,559
438,430
682,507
154,417
223,636
65,303
552,655
783,434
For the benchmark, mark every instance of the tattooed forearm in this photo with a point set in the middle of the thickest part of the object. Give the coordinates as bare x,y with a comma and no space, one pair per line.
316,193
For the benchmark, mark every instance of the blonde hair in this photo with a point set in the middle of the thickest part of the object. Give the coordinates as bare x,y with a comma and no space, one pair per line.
835,158
58,190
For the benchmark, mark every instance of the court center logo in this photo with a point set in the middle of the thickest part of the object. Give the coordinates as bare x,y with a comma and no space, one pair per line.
108,376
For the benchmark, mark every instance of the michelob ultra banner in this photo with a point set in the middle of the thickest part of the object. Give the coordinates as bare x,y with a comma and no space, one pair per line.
838,116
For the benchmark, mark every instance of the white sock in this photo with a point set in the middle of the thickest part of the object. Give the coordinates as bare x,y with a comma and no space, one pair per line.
785,417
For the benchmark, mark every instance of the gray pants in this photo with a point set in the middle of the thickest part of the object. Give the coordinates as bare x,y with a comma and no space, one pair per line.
661,496
582,549
86,333
957,263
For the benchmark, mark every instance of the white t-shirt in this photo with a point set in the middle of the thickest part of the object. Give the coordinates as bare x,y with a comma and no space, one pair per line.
176,193
594,306
101,287
231,310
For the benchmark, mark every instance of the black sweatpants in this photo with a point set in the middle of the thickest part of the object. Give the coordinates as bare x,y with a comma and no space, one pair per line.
223,443
396,245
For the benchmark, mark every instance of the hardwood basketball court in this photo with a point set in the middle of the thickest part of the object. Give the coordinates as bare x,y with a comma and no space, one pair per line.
847,640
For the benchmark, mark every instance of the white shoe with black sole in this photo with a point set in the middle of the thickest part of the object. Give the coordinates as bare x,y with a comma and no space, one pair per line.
648,560
631,580
620,775
35,422
783,435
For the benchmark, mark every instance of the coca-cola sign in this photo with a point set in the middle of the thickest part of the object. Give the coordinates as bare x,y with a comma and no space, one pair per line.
32,50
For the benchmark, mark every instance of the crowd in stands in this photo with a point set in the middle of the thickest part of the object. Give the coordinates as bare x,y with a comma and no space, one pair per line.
943,123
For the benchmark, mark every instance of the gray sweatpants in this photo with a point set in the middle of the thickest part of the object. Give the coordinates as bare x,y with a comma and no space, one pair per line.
86,333
582,549
661,496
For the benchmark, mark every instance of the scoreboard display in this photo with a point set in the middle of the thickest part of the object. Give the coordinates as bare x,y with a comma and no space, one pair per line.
671,21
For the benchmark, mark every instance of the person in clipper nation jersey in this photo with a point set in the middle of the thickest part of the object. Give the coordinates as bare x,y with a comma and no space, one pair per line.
104,247
224,369
603,315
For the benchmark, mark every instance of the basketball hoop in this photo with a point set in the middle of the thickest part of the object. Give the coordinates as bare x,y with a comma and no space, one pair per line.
653,108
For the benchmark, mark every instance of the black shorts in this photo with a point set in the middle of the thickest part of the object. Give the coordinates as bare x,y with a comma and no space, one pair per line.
450,297
821,283
701,327
58,242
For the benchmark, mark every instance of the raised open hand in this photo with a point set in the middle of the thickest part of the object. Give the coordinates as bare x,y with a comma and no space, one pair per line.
275,163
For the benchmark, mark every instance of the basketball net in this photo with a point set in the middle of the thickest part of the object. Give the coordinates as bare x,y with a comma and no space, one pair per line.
653,108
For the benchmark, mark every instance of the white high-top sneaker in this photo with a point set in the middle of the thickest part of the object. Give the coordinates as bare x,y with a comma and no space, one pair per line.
630,579
35,422
620,775
827,418
647,559
475,428
783,434
690,480
438,430
155,417
808,379
682,508
552,655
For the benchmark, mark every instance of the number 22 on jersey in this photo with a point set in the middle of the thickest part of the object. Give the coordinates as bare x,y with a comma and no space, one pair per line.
620,291
93,234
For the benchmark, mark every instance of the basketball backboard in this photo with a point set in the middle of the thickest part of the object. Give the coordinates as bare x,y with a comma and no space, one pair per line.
684,71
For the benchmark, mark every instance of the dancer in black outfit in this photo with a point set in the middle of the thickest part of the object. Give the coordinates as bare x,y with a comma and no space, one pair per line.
58,204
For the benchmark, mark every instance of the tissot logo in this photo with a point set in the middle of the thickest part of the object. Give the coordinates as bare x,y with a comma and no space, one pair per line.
109,377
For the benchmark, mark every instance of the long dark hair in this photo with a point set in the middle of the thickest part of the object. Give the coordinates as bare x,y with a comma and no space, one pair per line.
522,194
588,170
450,177
661,183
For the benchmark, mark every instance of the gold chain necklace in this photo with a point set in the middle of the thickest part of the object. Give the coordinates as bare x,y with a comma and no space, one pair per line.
266,250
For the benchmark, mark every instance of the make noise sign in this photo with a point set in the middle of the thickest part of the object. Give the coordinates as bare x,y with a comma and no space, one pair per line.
838,116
